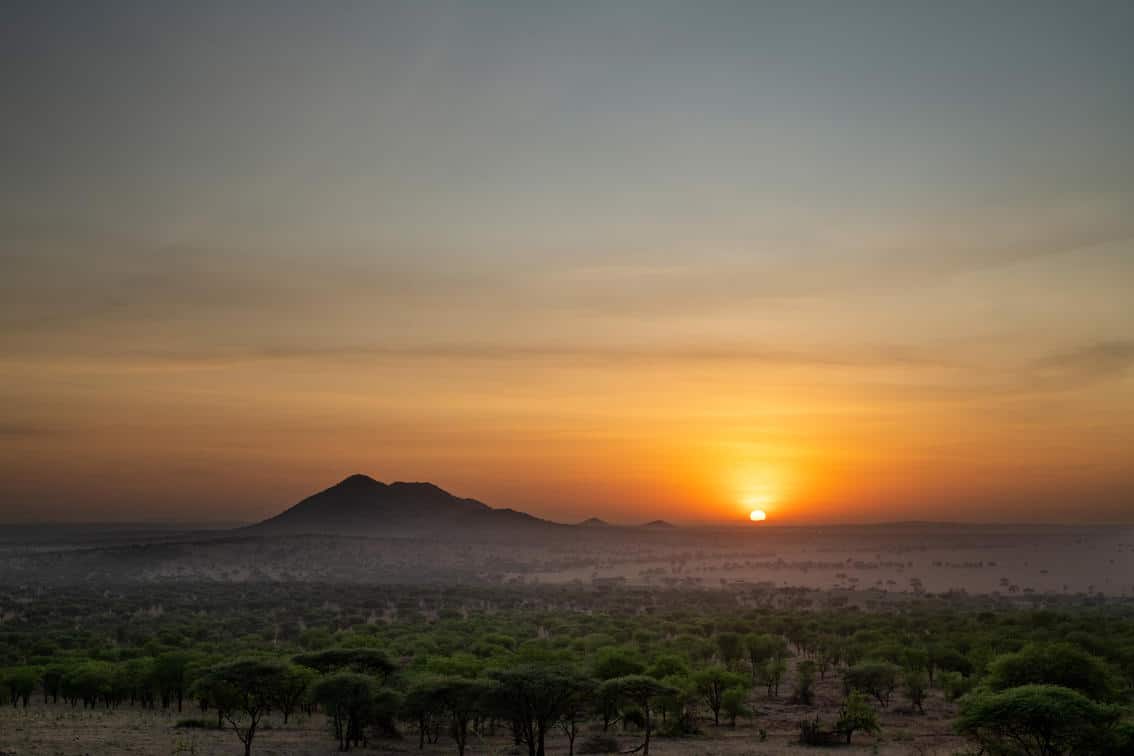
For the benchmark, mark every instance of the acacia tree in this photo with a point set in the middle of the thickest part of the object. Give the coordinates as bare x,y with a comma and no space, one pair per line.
422,706
876,678
534,697
641,691
1062,664
293,685
761,649
915,683
1037,720
53,681
856,715
711,685
171,673
730,647
367,661
734,704
348,698
463,700
21,682
805,682
575,709
773,673
243,692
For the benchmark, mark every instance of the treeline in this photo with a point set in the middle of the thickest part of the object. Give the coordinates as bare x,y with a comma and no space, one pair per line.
1023,682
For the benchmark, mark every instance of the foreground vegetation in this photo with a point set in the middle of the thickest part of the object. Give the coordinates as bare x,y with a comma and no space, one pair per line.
579,666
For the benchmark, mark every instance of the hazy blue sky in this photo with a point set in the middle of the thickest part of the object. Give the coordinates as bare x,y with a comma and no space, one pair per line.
868,260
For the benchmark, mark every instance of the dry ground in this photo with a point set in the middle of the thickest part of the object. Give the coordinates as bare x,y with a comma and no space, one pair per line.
58,730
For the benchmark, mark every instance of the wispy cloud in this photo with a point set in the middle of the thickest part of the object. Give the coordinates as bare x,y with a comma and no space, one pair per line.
1087,363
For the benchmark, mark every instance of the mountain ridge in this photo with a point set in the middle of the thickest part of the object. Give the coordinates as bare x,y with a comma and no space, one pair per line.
362,505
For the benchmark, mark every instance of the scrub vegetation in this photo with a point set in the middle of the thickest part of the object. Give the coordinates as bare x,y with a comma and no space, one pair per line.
315,668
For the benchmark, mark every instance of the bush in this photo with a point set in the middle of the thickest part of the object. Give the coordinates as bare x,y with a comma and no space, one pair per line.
954,684
196,724
876,678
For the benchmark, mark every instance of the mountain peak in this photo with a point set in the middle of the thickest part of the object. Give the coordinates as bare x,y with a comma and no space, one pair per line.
358,480
361,505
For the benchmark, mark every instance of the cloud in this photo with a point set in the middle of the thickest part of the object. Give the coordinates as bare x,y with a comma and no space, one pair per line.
1088,363
869,356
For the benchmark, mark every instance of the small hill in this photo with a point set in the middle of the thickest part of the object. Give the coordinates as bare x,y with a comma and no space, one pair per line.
361,505
659,525
594,522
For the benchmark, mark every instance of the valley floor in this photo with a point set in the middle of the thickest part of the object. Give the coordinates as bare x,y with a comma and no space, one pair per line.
60,730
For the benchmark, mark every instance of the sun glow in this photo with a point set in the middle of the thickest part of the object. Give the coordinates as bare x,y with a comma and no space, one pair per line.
757,515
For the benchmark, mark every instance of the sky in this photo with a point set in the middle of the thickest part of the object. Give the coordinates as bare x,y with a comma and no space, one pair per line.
845,262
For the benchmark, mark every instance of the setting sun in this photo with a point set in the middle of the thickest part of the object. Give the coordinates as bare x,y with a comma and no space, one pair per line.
757,515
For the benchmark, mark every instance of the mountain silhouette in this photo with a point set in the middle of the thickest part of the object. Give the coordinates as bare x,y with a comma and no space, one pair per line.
594,522
659,525
360,505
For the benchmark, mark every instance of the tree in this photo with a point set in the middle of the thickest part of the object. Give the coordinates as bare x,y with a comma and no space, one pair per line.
88,681
170,671
730,647
772,674
829,654
915,683
667,665
139,677
762,648
947,659
367,661
712,683
877,678
293,684
805,682
243,692
606,702
613,662
21,682
534,697
678,707
1061,664
422,706
734,704
1037,720
462,700
640,691
856,715
347,698
575,710
53,681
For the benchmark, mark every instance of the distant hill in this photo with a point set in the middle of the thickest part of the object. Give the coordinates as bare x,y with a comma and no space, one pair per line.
361,505
659,525
594,522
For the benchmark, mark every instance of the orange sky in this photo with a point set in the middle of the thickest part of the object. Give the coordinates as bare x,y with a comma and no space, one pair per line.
577,259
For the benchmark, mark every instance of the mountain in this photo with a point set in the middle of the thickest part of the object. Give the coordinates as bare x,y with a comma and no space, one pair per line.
361,505
659,525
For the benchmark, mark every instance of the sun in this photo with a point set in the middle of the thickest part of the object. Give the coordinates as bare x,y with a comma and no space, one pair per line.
757,505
